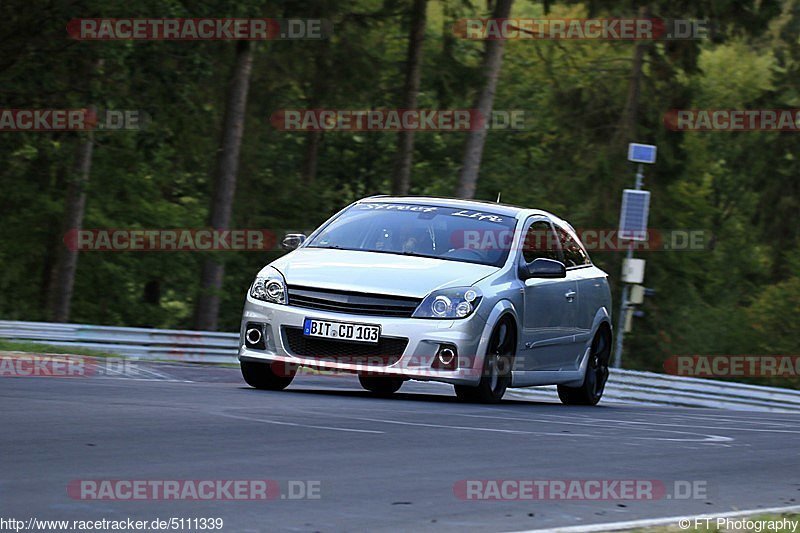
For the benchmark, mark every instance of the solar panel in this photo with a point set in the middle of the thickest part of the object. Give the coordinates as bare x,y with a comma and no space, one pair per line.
633,215
642,153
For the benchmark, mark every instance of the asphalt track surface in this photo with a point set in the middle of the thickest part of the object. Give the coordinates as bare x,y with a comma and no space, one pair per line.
382,464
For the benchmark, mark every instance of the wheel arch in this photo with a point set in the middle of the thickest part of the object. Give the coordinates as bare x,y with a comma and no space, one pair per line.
502,310
601,322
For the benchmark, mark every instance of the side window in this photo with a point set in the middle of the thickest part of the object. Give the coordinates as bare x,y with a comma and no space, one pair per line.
573,252
540,241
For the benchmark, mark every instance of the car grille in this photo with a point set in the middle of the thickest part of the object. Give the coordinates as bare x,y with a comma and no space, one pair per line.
386,352
353,303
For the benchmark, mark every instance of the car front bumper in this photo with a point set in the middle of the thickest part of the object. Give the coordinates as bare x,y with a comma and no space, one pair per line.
425,337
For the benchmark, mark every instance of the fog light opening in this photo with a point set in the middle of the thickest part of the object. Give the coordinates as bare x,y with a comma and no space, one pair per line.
253,336
446,357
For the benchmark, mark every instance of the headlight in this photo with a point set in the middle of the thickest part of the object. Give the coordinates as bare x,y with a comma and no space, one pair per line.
269,288
459,302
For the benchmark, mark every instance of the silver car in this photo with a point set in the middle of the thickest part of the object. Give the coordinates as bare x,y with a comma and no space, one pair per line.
479,295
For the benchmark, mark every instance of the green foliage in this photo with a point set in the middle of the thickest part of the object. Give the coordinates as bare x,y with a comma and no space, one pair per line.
735,74
739,295
38,348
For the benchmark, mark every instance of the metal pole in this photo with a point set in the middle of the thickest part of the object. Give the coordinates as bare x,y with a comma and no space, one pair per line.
621,318
623,304
639,176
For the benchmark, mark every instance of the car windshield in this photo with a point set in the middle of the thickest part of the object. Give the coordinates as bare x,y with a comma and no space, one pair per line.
455,234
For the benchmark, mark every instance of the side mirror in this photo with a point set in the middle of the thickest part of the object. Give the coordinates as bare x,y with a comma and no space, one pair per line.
292,240
544,269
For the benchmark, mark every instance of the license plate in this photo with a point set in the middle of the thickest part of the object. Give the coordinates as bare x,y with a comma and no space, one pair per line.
342,331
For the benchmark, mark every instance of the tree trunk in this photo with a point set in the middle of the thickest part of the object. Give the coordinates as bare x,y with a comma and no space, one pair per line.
473,150
207,306
63,275
319,91
401,179
630,115
308,173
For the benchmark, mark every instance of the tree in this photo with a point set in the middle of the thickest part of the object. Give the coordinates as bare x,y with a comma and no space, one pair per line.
207,305
473,149
401,179
319,89
63,275
627,129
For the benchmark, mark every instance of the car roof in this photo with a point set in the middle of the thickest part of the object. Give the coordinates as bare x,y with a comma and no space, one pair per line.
500,209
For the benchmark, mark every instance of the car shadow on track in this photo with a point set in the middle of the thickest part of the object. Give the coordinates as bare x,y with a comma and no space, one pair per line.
417,397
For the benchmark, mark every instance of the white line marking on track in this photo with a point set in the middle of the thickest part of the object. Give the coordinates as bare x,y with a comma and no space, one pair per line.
463,428
590,419
150,371
759,430
669,520
295,424
707,438
734,420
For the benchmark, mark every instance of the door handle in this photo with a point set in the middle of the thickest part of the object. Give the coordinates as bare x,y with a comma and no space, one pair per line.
570,295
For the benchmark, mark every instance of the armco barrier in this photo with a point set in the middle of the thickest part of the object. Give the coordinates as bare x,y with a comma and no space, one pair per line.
624,386
648,388
142,343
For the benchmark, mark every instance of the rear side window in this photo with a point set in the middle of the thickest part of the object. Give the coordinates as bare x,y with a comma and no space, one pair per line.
574,254
540,242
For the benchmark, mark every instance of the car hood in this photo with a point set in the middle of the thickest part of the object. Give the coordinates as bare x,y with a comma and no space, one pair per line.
378,273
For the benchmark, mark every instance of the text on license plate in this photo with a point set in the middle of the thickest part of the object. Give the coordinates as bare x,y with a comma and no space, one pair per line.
344,331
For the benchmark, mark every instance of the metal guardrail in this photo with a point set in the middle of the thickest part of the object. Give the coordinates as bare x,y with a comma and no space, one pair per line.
141,343
649,388
624,386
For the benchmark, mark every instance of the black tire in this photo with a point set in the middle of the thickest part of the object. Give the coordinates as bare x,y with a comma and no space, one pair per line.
594,383
465,393
268,376
381,385
496,375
